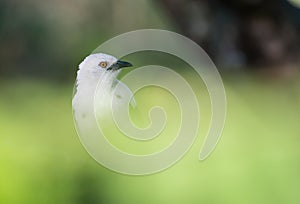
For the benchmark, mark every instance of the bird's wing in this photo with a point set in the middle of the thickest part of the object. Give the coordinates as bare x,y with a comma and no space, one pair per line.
124,94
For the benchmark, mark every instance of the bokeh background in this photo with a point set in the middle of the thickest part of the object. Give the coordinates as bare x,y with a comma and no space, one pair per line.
255,45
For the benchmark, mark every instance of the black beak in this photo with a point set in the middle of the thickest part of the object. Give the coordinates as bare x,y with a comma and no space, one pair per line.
119,64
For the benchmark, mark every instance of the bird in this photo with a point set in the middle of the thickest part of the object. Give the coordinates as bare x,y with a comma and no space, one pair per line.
96,82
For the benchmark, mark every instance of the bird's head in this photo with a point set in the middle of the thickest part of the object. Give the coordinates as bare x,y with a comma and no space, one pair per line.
102,63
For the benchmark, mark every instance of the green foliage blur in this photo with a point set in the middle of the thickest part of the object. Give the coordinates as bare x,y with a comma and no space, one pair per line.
256,161
49,39
42,160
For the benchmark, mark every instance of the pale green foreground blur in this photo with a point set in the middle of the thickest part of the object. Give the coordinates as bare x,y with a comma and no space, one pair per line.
256,161
42,160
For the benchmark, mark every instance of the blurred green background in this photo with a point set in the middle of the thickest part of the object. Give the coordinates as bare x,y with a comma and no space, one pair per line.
258,157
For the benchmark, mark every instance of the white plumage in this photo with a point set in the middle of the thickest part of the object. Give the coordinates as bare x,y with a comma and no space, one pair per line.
96,86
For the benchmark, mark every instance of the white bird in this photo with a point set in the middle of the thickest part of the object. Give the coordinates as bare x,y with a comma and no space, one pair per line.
96,82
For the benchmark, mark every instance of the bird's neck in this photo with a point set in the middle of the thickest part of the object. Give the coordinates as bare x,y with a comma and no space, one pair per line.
90,82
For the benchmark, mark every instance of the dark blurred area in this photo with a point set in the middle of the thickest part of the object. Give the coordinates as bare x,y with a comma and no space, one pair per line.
49,39
241,33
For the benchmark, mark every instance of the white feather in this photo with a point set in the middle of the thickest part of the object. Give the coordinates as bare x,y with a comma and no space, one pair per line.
95,83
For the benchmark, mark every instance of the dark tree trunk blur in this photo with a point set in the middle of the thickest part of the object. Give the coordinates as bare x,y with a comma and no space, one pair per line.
240,33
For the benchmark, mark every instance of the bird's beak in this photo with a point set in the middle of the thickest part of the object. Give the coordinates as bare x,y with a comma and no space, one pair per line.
119,64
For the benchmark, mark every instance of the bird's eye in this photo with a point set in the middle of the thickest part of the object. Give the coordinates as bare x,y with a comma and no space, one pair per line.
103,64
